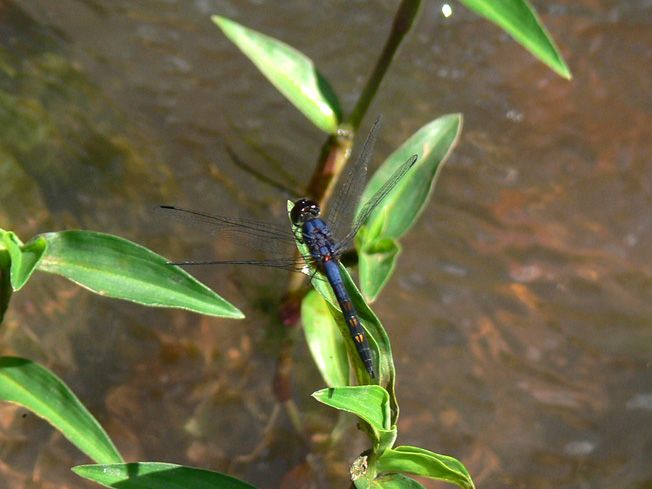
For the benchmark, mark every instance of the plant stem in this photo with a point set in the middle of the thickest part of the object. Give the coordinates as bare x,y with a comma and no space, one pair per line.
403,21
337,149
333,158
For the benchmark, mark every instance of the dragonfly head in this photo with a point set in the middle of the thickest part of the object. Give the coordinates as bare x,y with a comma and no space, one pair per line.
304,210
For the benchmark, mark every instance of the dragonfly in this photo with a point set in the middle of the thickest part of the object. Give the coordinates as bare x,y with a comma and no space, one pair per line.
326,244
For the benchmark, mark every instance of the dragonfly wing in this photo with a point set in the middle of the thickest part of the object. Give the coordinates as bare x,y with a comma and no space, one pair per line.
290,264
217,224
349,189
275,242
376,200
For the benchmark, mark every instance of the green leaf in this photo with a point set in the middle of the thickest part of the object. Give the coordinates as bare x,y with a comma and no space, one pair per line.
402,207
376,263
324,340
395,481
519,19
157,475
5,282
369,402
39,390
422,462
372,404
290,71
24,257
115,267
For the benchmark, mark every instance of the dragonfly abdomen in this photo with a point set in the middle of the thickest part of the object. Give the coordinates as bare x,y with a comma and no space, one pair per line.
358,334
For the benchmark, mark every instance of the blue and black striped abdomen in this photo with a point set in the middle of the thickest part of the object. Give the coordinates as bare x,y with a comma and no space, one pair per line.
358,334
317,236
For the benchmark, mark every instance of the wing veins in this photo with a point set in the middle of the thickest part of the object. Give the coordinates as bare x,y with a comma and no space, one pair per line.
377,198
232,224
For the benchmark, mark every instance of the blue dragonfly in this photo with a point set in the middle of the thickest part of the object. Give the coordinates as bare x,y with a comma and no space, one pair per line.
325,243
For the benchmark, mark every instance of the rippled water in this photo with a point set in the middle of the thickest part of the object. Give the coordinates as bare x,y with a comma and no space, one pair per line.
521,311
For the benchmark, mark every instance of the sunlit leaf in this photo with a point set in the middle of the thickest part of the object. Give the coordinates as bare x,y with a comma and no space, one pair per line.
324,340
115,267
519,19
157,475
39,390
290,71
369,402
422,462
402,207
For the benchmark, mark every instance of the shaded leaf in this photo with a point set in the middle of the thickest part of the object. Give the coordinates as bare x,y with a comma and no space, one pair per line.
402,207
157,475
290,71
39,390
519,19
422,462
324,340
31,254
115,267
395,481
376,263
24,257
5,282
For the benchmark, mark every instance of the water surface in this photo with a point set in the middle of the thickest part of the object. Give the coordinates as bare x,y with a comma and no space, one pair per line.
520,314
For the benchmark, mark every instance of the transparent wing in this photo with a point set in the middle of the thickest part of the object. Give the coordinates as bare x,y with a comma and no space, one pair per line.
274,241
217,224
247,233
291,264
349,189
376,200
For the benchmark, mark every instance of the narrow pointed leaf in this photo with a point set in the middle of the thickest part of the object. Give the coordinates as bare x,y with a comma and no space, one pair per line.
42,392
422,462
519,19
290,71
115,267
157,475
402,207
324,340
433,144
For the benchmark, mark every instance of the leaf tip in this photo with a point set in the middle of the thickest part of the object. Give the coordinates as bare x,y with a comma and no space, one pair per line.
565,72
218,20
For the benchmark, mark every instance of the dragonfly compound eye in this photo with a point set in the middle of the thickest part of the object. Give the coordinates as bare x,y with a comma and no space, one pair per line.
304,210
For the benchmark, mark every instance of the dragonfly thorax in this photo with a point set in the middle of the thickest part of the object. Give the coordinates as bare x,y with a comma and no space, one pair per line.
304,210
